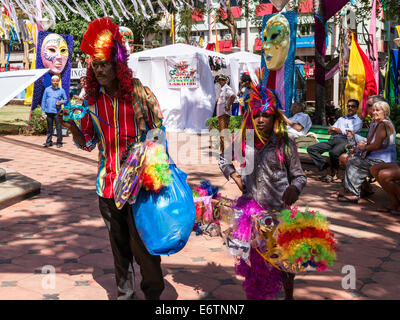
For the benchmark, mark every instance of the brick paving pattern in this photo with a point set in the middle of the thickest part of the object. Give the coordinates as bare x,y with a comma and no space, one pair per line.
61,230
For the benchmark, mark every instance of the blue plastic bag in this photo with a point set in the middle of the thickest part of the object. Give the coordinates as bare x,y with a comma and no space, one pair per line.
165,220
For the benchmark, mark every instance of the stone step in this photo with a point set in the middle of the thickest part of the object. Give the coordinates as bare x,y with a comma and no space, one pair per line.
16,188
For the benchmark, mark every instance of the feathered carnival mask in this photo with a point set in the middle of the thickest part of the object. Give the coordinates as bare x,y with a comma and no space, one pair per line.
103,41
263,100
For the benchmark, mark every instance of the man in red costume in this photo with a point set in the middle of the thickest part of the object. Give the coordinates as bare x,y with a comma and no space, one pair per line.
122,111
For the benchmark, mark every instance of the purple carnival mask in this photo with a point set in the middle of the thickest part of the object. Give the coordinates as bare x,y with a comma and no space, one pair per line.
54,53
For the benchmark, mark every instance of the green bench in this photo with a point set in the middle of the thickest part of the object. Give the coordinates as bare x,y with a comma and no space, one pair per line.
322,135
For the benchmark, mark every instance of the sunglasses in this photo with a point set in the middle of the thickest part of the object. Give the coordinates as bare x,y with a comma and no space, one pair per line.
351,106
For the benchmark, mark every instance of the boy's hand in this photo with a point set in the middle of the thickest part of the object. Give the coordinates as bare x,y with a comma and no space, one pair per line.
61,120
238,180
290,195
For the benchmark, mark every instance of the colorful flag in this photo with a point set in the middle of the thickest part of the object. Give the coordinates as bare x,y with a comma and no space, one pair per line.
172,32
360,77
374,50
391,92
216,36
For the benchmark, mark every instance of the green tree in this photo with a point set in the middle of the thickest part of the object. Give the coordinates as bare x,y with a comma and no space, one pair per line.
363,8
186,23
225,16
77,26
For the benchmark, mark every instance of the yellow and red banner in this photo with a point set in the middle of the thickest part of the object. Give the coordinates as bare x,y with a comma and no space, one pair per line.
360,78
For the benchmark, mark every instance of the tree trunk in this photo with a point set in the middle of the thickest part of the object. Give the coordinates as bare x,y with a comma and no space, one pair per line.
230,22
320,36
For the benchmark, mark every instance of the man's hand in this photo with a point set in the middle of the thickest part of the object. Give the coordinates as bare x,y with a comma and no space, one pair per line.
361,145
334,130
290,195
61,120
349,133
238,180
227,108
58,103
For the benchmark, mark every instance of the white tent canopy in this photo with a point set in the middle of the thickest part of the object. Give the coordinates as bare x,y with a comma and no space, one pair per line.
184,109
247,62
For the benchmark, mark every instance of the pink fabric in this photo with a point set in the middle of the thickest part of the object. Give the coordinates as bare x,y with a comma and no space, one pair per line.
208,214
280,86
374,53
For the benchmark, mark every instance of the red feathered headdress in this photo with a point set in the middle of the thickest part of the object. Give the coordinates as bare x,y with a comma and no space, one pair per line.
103,41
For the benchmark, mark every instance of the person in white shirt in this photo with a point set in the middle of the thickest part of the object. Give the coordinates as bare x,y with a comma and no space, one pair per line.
300,123
224,105
337,144
79,98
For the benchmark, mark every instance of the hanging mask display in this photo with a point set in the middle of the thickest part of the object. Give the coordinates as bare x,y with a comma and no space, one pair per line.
278,55
54,53
276,42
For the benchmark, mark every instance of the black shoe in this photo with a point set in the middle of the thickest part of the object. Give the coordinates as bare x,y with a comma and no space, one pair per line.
59,145
46,145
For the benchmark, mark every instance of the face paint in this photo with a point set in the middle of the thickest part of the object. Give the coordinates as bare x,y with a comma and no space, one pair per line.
276,42
54,53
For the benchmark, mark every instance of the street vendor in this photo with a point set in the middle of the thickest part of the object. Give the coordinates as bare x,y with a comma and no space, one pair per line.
277,178
122,109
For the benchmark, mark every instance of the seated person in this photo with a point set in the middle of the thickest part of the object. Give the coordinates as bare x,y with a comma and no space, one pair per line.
300,123
379,148
366,189
337,144
387,173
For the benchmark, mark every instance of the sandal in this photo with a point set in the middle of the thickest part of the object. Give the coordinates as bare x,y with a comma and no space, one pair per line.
328,178
344,198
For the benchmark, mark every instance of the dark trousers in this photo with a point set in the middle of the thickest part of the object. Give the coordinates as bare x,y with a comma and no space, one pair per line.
51,118
335,146
126,244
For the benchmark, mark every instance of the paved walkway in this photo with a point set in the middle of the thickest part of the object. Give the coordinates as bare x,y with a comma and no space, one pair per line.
61,228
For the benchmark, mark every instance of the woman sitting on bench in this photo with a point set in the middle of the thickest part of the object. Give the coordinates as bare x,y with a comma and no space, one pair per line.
379,148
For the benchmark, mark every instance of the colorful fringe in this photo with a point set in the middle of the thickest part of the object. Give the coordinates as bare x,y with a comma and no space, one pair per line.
264,100
262,281
304,238
156,173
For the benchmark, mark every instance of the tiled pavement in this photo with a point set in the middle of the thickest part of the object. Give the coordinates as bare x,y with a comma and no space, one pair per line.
61,230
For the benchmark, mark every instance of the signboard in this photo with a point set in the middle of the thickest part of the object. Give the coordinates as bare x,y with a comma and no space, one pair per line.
182,72
77,73
307,42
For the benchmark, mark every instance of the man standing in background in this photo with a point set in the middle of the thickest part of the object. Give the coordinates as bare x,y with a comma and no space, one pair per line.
53,98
